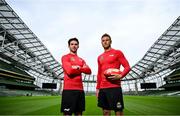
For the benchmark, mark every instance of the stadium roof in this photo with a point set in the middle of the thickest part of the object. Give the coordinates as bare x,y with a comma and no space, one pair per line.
20,46
163,55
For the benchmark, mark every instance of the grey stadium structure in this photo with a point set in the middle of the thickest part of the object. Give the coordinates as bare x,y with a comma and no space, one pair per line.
26,63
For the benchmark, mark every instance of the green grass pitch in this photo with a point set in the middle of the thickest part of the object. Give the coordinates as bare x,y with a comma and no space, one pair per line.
50,105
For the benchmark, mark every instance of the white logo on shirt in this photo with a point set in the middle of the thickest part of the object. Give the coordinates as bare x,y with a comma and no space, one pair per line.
119,105
111,55
66,109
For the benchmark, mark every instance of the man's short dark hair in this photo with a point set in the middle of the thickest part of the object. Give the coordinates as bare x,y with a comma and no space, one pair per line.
73,39
106,35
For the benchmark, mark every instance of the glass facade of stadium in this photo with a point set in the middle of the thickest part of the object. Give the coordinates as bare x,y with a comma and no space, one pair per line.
23,51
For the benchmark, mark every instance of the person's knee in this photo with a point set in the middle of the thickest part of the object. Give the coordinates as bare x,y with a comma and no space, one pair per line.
119,113
106,112
67,113
78,113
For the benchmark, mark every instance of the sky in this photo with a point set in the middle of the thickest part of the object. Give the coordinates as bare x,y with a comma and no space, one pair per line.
134,25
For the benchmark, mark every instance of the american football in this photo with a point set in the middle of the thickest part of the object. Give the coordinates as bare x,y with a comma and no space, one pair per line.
111,71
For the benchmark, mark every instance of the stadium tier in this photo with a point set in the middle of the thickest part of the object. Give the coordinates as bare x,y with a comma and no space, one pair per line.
172,81
13,78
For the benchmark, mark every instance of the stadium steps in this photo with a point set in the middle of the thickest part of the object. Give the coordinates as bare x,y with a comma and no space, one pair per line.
174,93
9,92
12,69
154,93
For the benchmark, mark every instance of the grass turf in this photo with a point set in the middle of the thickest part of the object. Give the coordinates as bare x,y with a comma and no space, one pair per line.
50,105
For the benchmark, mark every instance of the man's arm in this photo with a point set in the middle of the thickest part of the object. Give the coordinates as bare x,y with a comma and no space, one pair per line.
99,78
68,68
85,69
125,64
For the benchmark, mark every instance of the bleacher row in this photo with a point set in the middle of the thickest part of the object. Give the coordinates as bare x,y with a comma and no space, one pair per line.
13,77
15,92
154,93
172,81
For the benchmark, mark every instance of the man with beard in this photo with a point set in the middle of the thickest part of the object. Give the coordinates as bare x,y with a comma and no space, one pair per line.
73,97
109,90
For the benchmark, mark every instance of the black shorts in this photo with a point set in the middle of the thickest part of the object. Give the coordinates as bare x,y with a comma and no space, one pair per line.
72,101
111,99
